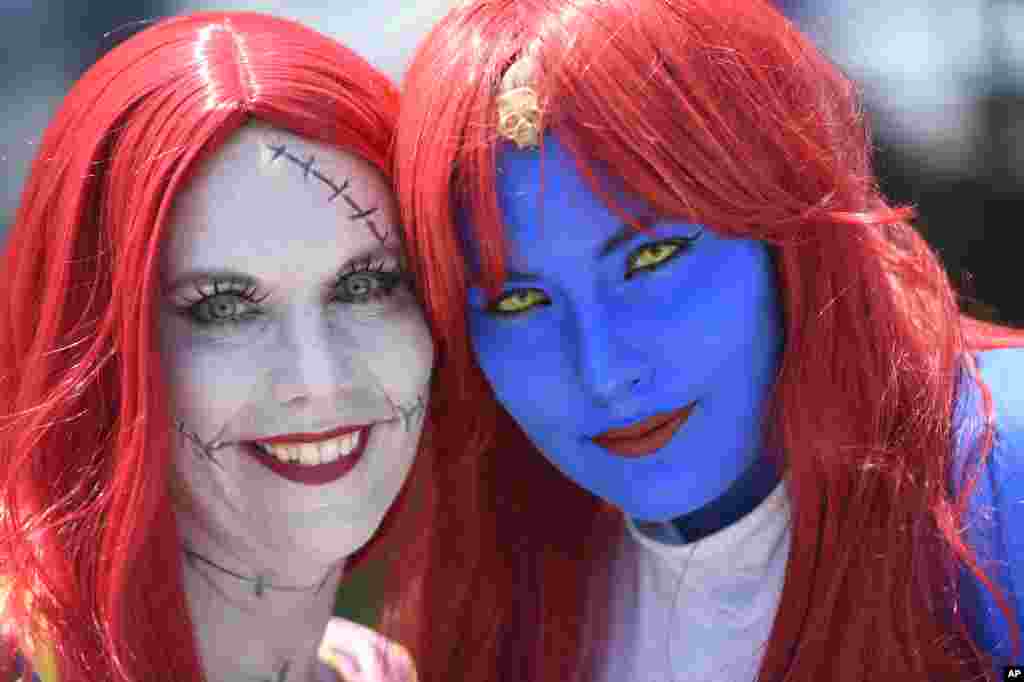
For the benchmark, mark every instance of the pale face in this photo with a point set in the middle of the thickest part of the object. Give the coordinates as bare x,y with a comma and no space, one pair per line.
286,313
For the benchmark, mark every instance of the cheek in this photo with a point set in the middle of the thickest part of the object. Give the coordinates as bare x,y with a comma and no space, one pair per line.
206,383
714,317
487,347
529,367
398,351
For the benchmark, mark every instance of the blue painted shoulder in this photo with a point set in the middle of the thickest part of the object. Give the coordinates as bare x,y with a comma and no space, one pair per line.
996,511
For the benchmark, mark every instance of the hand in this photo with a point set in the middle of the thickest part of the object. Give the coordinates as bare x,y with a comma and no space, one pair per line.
359,654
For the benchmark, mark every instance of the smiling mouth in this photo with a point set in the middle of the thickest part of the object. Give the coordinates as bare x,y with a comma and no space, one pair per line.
644,437
312,459
312,437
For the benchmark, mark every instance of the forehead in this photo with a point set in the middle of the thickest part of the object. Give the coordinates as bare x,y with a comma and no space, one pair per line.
549,208
267,189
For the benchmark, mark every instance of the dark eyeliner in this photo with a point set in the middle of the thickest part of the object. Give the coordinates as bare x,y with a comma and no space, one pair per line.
388,280
493,307
241,289
682,245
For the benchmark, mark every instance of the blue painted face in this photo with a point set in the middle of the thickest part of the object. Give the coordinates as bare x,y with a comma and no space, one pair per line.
599,328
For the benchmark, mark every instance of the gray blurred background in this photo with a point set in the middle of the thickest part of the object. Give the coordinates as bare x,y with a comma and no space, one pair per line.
943,81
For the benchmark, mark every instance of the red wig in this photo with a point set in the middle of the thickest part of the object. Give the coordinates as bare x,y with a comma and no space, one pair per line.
720,113
89,549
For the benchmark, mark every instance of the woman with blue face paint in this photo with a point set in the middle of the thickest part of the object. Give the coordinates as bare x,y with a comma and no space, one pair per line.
760,440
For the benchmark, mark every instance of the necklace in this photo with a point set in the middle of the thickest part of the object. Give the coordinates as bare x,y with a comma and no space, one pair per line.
259,583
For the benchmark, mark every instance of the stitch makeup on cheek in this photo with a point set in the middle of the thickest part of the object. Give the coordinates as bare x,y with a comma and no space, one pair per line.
296,360
225,428
412,411
204,450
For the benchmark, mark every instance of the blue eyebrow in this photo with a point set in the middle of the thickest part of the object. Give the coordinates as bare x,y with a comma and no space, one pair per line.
624,235
522,276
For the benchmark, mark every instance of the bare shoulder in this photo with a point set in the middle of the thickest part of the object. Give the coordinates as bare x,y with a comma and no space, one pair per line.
359,654
995,527
1003,372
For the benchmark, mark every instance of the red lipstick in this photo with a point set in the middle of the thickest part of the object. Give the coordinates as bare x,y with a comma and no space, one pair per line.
310,437
313,475
644,437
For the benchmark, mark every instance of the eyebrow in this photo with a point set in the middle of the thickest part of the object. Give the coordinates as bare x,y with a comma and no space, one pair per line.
624,235
522,276
190,277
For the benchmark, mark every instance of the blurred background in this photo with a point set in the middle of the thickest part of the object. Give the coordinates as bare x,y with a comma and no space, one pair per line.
943,81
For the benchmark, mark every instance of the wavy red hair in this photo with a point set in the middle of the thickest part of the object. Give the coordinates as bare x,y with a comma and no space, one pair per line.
721,113
88,543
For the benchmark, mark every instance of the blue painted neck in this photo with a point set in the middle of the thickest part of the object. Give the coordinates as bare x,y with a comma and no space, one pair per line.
741,498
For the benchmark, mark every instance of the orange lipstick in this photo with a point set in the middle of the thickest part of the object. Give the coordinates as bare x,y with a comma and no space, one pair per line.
645,437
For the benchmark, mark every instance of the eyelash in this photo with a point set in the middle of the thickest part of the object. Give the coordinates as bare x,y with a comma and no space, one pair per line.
388,279
683,244
392,278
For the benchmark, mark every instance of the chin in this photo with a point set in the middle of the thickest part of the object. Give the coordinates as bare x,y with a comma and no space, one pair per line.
344,540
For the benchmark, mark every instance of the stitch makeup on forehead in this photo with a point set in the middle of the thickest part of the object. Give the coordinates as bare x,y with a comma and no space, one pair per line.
297,356
309,169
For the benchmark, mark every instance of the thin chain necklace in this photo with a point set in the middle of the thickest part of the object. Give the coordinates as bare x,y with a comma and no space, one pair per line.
259,583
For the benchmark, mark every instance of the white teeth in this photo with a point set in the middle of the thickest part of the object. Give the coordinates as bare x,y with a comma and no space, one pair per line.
348,442
309,454
312,454
330,450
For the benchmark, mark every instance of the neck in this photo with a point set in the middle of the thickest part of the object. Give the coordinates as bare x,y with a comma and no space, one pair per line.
741,498
258,615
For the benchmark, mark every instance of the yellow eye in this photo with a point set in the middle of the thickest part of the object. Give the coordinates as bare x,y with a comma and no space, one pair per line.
519,301
650,256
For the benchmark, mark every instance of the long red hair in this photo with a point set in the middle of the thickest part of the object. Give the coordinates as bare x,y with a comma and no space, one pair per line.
89,551
721,113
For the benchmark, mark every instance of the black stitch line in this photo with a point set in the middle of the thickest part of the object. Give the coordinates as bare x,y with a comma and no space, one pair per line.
409,412
364,214
260,584
307,167
198,447
361,214
338,190
373,228
278,151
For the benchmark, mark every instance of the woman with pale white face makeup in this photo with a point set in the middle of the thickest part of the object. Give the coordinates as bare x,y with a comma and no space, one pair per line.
216,371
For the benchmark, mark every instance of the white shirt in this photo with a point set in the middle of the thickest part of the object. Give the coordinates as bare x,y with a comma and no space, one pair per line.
697,612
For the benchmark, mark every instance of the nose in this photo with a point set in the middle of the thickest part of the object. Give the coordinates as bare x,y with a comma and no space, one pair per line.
611,367
312,363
